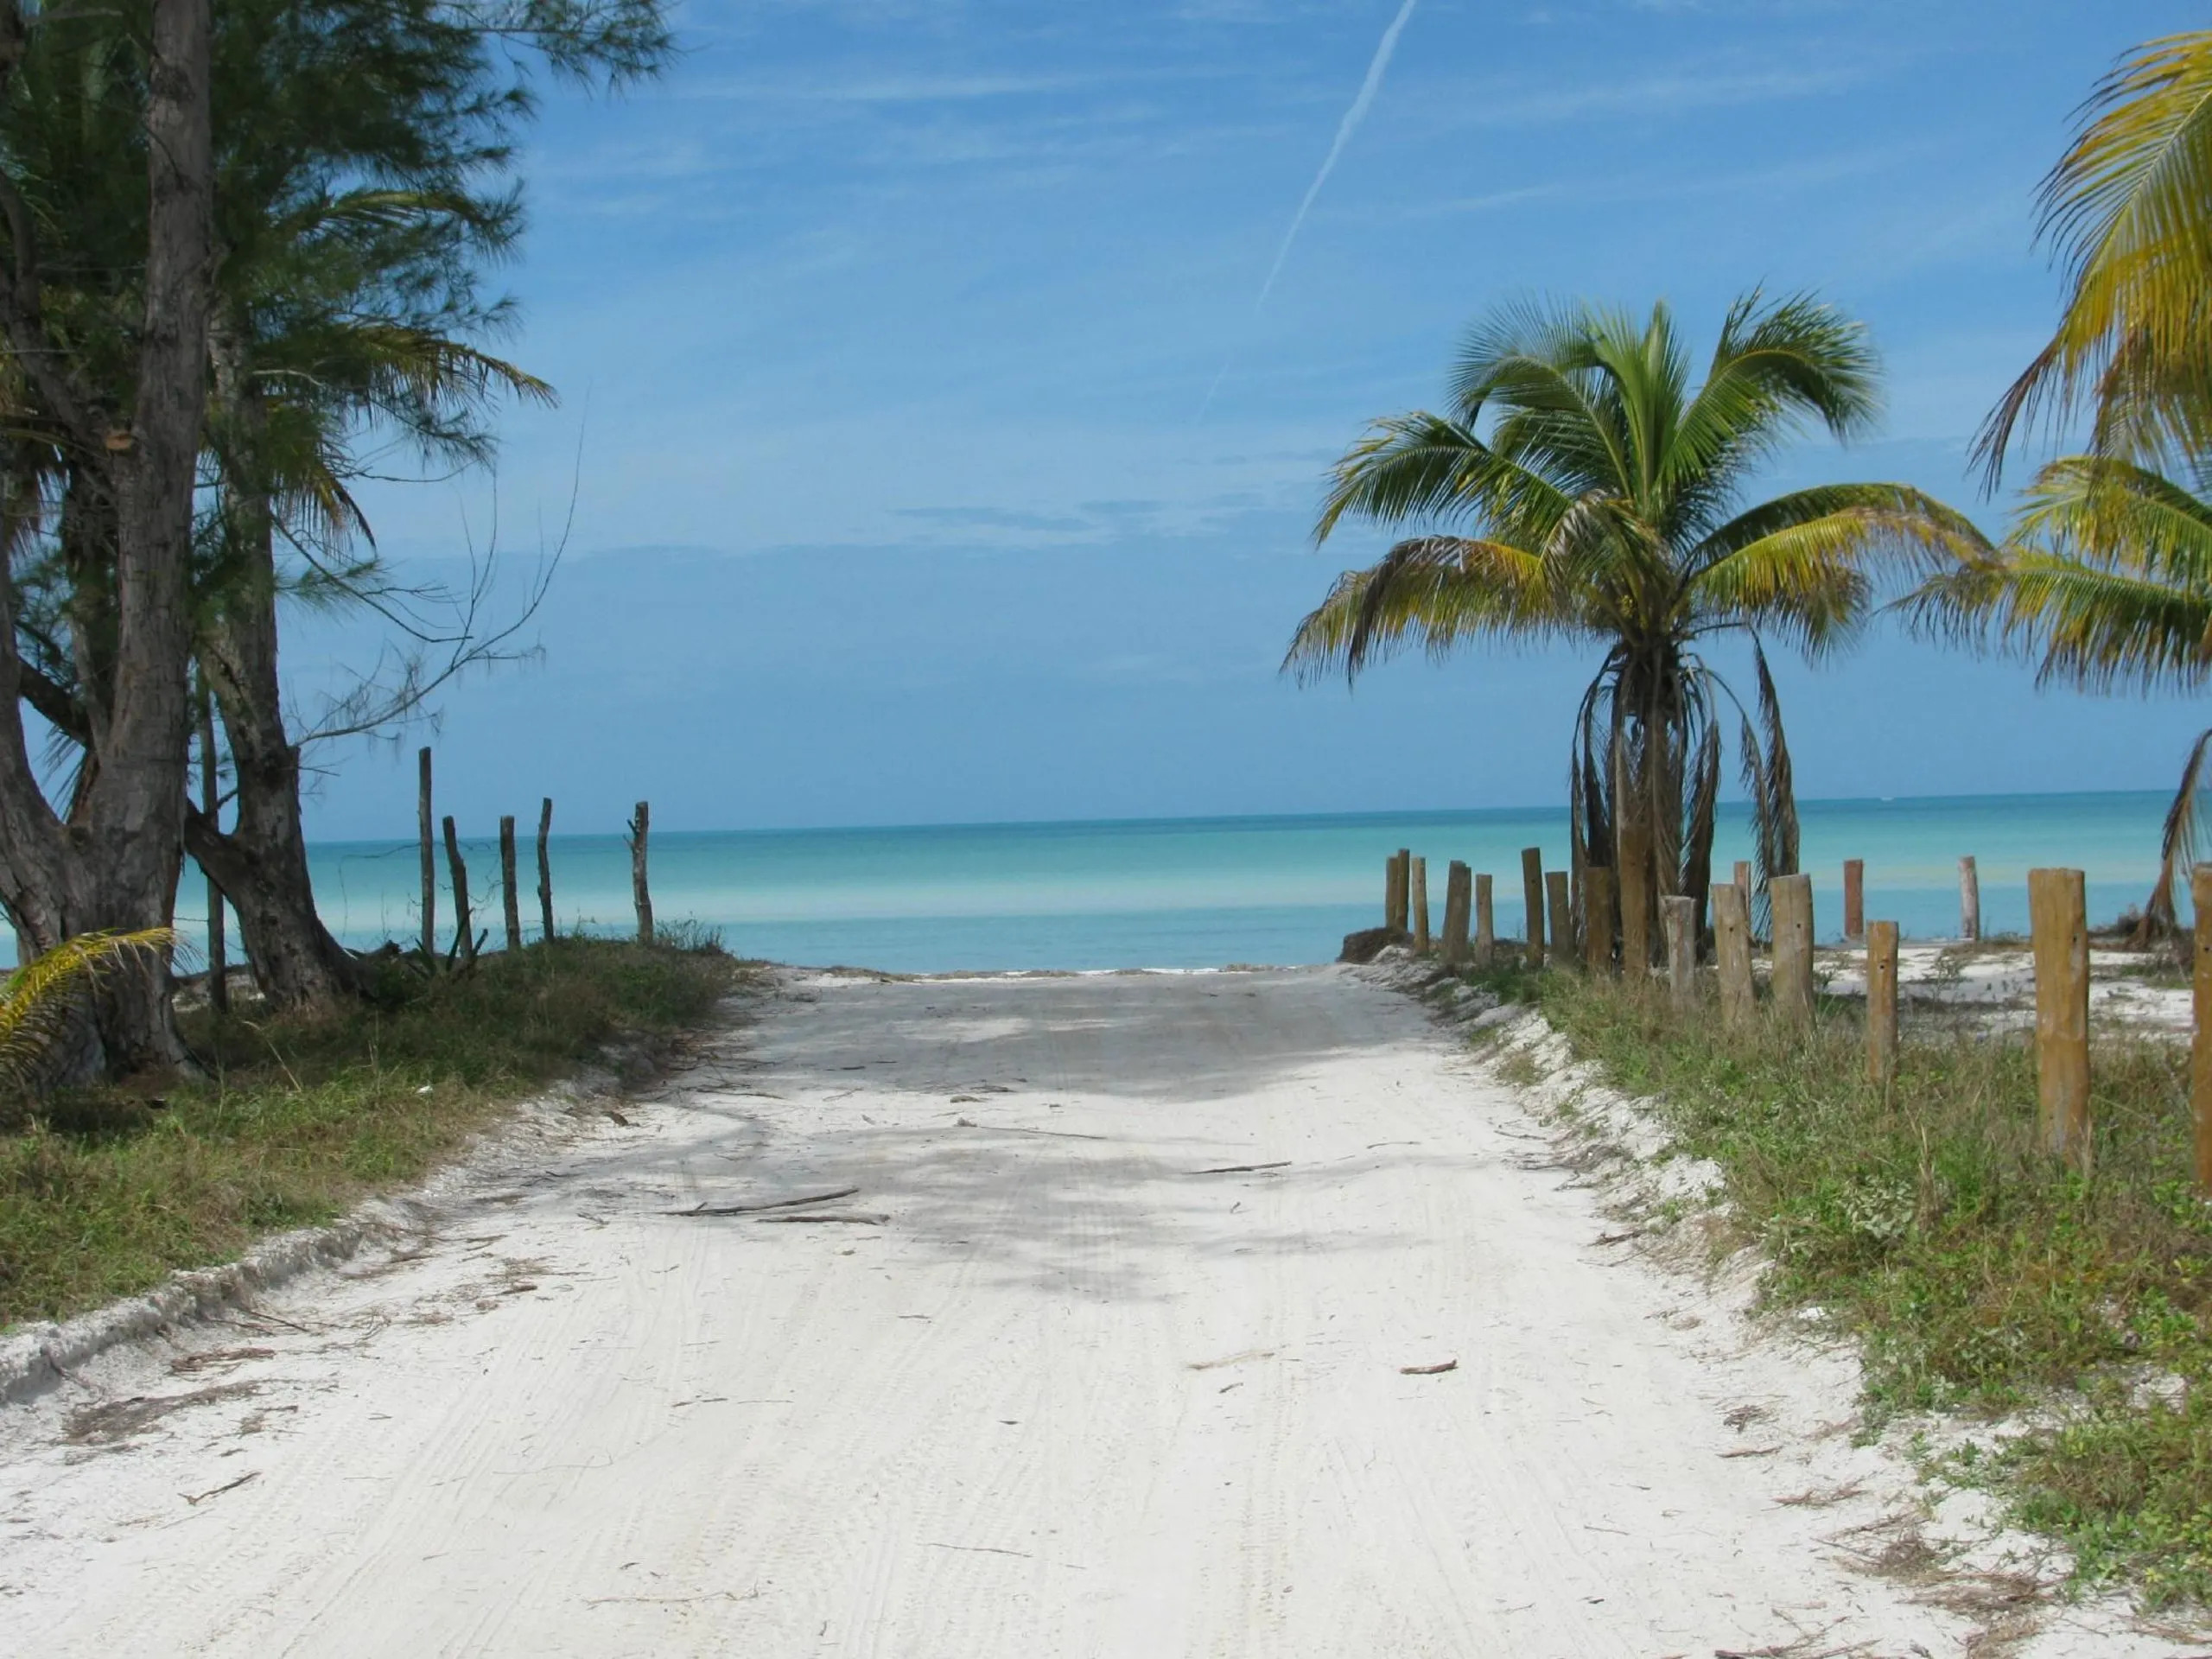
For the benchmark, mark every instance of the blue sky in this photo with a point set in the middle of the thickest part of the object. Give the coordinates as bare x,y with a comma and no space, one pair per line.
885,330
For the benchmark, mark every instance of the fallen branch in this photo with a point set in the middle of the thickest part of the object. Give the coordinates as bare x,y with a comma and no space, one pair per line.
218,1491
704,1209
1429,1370
825,1217
1242,1169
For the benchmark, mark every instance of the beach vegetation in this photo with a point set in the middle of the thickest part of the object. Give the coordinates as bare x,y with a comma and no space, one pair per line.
2062,1324
298,1115
1583,484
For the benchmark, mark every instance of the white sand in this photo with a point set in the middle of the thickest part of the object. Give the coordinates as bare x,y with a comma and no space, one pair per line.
1070,1397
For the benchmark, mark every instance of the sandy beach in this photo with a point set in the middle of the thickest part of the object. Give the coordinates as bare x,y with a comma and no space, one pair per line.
1234,1313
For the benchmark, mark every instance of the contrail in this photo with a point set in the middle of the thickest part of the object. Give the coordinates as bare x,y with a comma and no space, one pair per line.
1360,104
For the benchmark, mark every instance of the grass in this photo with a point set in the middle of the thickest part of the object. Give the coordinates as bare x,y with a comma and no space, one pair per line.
299,1119
1978,1275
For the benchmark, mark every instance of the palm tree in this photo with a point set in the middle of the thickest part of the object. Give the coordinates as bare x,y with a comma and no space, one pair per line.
2129,208
1581,488
2106,580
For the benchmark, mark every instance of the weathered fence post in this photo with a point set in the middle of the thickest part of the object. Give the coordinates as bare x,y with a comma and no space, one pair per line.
1532,895
1633,877
1485,922
1678,915
2200,1043
512,904
1969,900
1732,950
640,827
1881,1003
1854,898
1458,900
545,866
426,824
1791,898
1420,929
1743,878
2058,924
1398,902
1561,898
1597,917
211,803
464,926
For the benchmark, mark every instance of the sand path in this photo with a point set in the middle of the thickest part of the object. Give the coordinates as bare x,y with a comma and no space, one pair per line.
1072,1396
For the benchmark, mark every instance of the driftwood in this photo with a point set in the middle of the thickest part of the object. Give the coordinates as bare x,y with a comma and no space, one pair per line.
849,1220
1429,1370
1241,1169
754,1209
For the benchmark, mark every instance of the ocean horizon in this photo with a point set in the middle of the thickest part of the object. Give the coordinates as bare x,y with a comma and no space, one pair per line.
1193,893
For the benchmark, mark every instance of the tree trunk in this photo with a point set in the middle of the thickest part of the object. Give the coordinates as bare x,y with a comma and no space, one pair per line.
115,863
262,862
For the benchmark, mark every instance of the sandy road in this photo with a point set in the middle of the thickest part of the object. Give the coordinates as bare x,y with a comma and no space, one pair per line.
1071,1396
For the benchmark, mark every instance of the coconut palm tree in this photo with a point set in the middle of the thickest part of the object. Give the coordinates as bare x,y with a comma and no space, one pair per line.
2105,582
2129,210
1579,488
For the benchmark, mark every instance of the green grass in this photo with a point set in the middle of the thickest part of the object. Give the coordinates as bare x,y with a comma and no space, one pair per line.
1978,1275
299,1119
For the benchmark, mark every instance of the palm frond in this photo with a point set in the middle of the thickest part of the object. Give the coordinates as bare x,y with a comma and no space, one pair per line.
38,1000
1439,590
2181,847
2126,208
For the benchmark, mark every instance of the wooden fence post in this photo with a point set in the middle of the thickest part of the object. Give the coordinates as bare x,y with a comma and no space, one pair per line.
1731,950
2058,923
1678,915
1633,877
1854,898
1881,1003
1597,917
1560,898
512,901
640,827
1420,929
424,822
1397,900
2200,1043
211,803
545,866
1486,923
1532,895
1791,898
1969,902
1459,901
464,934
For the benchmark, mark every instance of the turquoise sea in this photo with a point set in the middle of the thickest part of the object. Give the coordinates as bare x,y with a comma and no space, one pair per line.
1196,893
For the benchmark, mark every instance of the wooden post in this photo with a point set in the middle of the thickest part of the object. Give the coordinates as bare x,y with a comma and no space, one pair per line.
1791,896
1420,906
1597,917
1969,902
1854,898
1458,900
1396,893
464,925
1486,923
640,827
1561,903
1678,916
2058,923
513,899
1882,1004
545,867
424,822
1532,896
1744,878
1732,948
1634,876
2200,1044
211,803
